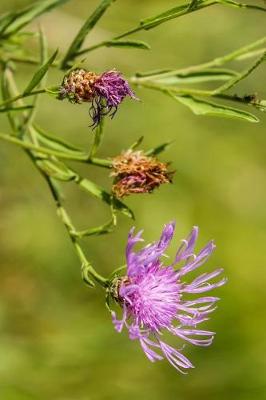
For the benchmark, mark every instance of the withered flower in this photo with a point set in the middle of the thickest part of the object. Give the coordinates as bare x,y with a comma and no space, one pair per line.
105,91
134,172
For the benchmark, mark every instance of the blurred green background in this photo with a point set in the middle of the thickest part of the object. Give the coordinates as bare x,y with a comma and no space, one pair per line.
57,340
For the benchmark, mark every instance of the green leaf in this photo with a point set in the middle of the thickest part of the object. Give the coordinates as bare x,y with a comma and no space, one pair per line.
55,143
159,149
172,13
240,5
7,94
26,15
43,46
151,73
137,143
40,73
193,4
57,170
85,274
83,32
206,75
135,44
239,77
5,21
97,139
106,197
98,230
202,107
20,108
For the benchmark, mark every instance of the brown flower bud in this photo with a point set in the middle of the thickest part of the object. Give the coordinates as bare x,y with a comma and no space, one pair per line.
134,172
78,86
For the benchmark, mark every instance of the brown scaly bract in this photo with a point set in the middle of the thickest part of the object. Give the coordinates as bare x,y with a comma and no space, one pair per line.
134,172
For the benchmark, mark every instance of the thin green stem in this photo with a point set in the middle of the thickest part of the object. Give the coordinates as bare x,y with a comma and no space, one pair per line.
82,157
184,10
88,271
146,25
65,218
217,62
22,96
193,92
232,82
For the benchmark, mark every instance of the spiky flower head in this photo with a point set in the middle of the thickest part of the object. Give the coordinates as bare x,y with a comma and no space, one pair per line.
134,172
153,296
105,92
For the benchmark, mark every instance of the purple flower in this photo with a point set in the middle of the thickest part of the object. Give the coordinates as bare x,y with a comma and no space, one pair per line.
153,296
110,90
105,92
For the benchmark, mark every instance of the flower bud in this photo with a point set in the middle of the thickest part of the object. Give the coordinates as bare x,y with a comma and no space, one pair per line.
105,92
134,172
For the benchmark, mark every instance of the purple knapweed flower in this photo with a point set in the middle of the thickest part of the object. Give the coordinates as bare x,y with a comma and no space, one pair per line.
105,92
153,296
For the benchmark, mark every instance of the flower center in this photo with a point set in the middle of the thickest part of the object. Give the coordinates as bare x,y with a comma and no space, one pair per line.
151,299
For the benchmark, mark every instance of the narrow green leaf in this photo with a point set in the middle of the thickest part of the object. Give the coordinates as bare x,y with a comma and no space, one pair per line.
239,77
54,142
193,4
159,149
206,75
40,73
98,230
106,197
20,108
5,21
151,73
202,107
251,54
57,170
85,274
97,139
7,94
135,44
240,5
83,32
174,12
168,13
137,143
26,15
43,46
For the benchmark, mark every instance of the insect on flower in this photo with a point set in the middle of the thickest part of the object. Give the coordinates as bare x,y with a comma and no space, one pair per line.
152,296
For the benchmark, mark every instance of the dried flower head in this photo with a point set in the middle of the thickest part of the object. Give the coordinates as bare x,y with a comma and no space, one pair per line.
152,296
105,92
134,172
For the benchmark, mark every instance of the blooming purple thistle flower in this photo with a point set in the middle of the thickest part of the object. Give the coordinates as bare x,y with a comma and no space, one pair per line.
110,90
151,296
105,92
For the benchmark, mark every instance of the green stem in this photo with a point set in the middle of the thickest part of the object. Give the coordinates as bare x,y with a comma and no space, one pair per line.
82,157
193,92
22,96
65,218
145,26
87,270
217,62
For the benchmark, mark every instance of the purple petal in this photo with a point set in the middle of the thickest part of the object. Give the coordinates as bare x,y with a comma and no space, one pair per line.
187,247
200,259
137,262
151,354
118,324
175,358
186,334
